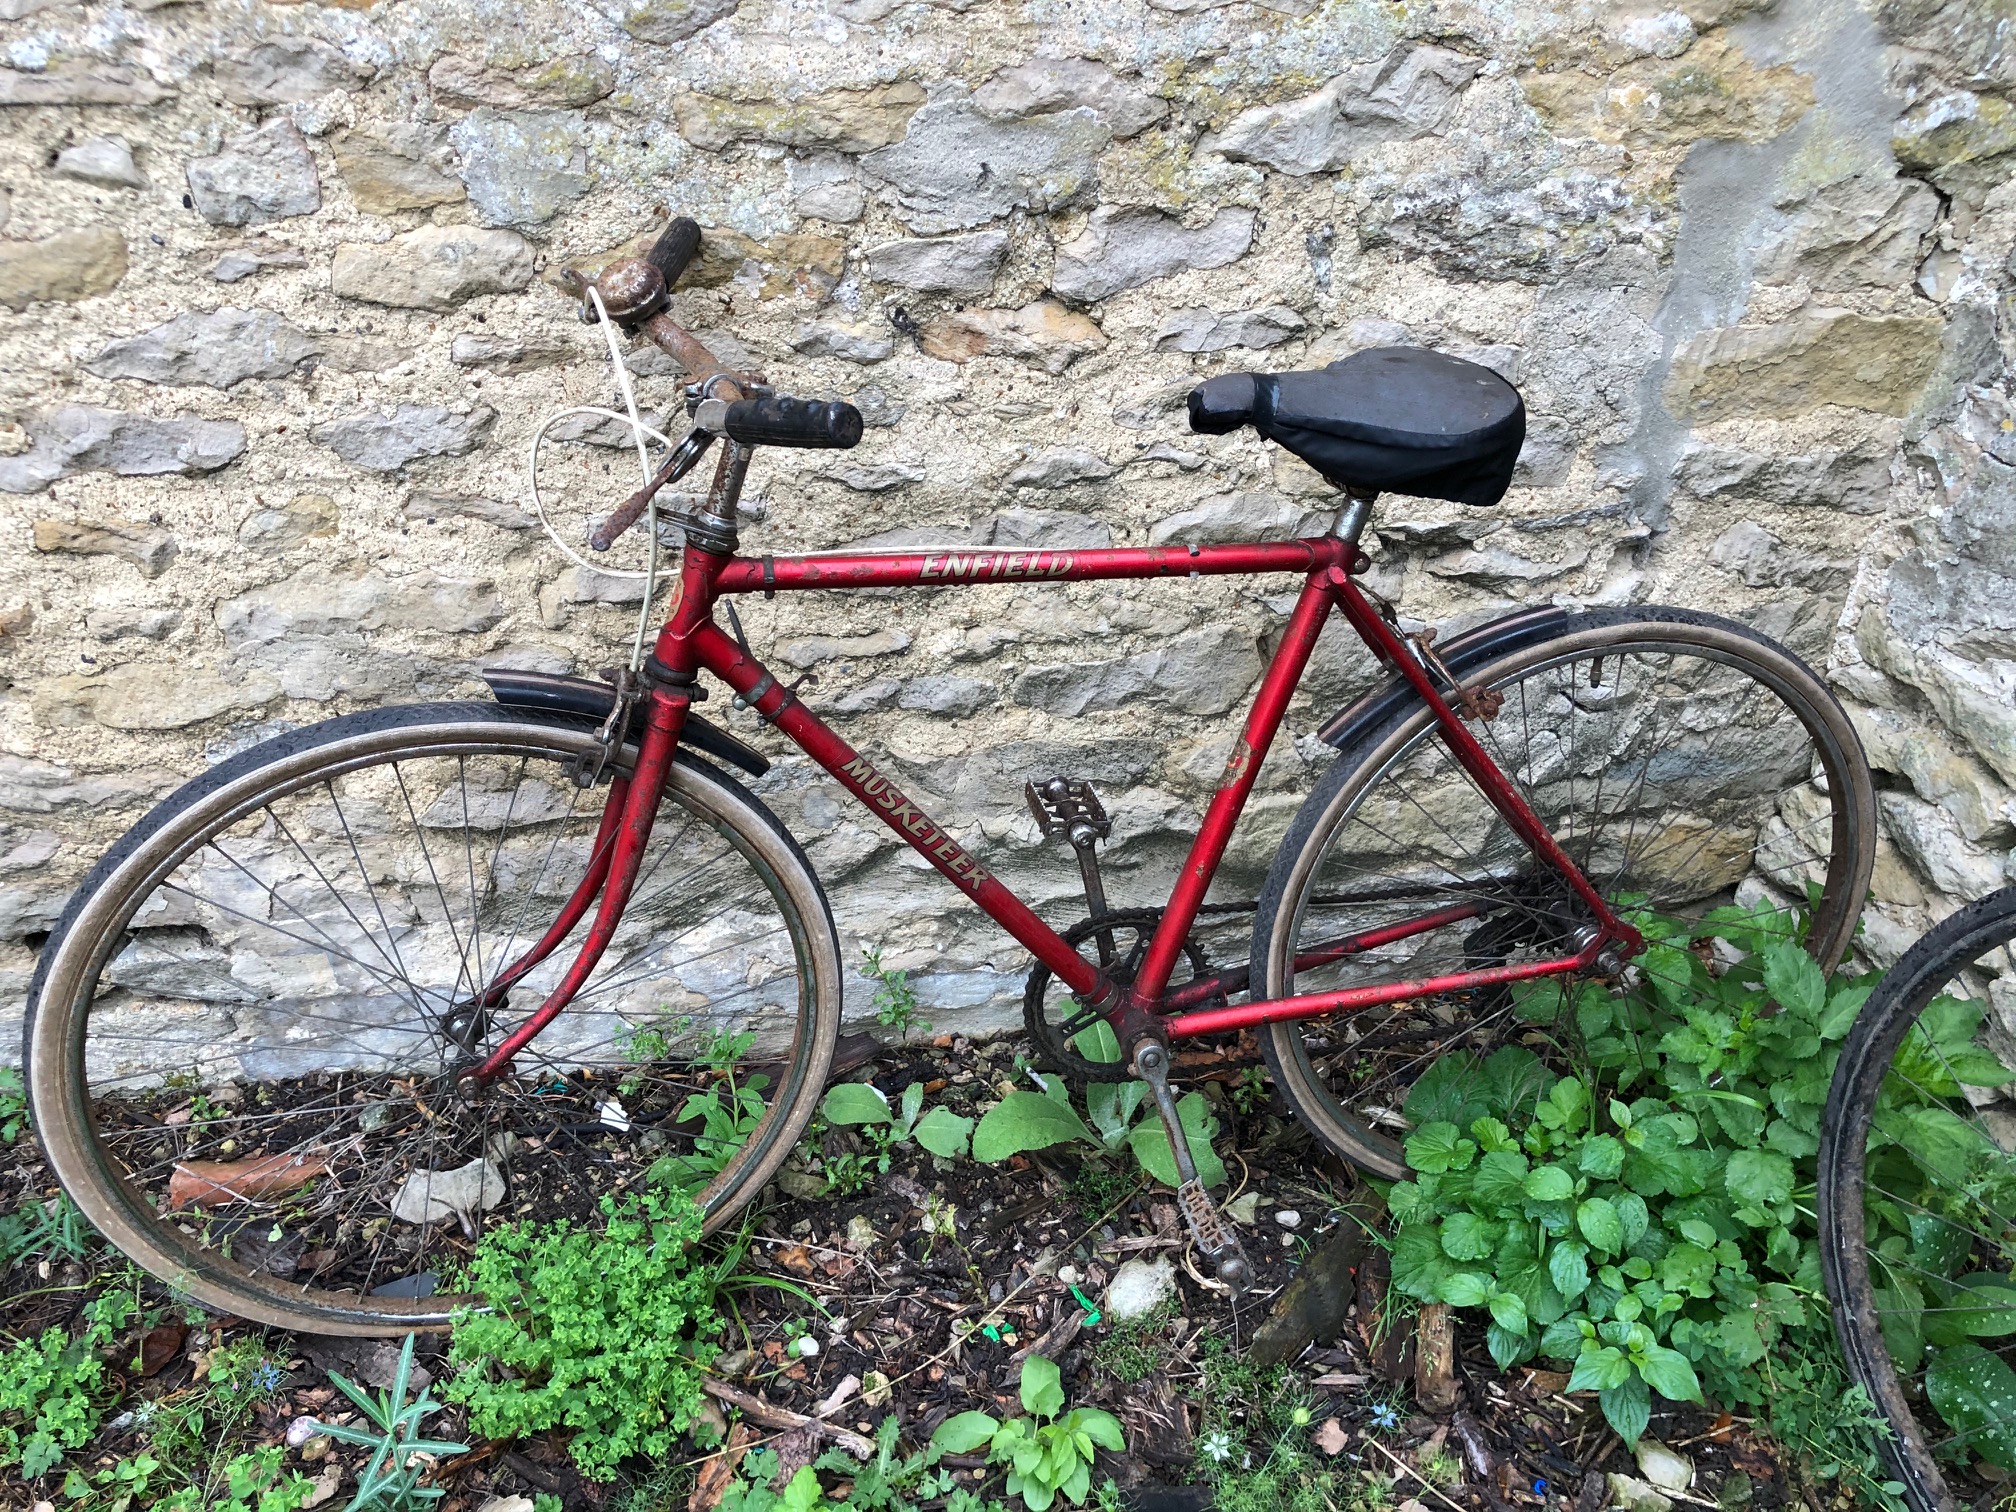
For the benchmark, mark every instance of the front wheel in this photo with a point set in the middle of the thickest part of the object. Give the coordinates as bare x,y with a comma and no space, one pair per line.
1682,761
244,1034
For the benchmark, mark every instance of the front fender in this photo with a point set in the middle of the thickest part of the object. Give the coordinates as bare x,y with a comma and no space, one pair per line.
1473,648
579,698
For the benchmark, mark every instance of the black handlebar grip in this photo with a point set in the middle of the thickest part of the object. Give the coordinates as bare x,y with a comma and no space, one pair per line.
1223,404
778,420
675,248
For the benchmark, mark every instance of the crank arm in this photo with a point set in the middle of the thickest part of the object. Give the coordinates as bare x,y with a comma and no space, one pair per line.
1217,1243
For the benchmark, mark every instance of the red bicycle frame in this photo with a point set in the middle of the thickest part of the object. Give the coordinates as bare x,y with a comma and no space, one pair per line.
690,642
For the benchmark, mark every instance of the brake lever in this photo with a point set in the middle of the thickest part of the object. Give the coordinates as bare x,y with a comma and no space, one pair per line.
685,456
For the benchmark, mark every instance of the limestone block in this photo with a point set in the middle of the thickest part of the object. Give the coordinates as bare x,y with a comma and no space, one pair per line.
386,442
1496,216
825,186
265,174
383,179
1247,516
1212,331
875,477
521,167
1060,468
1855,481
1125,247
1404,95
1958,139
430,507
1871,362
1047,530
305,517
78,438
69,266
844,120
288,70
849,343
802,265
571,81
149,696
961,265
148,547
954,697
219,349
239,263
132,623
665,21
433,268
320,600
1867,230
1047,84
1045,335
79,83
1714,91
956,167
510,354
814,650
1199,672
29,786
1933,844
106,161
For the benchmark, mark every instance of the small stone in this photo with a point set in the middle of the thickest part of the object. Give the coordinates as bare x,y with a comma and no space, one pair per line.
666,22
1405,95
242,262
383,179
1630,1494
861,1233
69,266
954,697
1043,85
301,1430
960,265
1068,1274
1138,1287
219,349
106,161
956,168
430,1196
288,71
572,80
875,1389
843,120
509,354
78,438
1123,247
806,1347
1060,469
1288,1218
139,624
825,186
147,547
521,167
79,83
810,651
876,477
387,442
316,1448
506,1504
265,174
434,506
433,268
1209,331
733,1364
1665,1469
1044,334
307,517
848,343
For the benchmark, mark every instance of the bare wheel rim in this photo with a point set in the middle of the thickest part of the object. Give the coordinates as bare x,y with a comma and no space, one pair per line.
243,1043
1917,1203
1702,766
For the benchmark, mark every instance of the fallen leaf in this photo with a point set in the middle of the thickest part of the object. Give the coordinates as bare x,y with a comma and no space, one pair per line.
507,1504
796,1259
717,1472
326,1484
219,1182
1542,1383
1331,1437
160,1345
1337,1380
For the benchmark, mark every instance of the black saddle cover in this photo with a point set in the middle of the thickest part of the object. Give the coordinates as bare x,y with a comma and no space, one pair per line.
1392,419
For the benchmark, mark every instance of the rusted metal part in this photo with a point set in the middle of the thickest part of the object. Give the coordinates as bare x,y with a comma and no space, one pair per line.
1476,703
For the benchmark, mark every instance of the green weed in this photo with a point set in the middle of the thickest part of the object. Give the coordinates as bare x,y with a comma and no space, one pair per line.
895,1001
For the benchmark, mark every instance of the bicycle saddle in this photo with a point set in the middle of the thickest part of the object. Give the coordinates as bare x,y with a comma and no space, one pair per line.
1398,419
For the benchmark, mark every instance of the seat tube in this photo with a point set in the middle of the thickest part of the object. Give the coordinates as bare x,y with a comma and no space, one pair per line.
1241,771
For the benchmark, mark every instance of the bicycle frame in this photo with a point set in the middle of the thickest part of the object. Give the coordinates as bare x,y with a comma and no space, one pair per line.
690,642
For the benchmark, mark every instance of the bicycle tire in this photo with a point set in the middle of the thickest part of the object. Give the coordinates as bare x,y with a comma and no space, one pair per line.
95,929
1293,876
1867,1058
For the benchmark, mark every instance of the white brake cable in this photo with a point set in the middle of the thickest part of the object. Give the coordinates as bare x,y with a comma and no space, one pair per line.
639,432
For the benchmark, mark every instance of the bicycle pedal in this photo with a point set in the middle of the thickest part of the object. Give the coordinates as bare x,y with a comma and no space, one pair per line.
1219,1246
1067,807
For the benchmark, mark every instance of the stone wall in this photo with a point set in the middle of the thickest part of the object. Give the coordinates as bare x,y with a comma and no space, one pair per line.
281,316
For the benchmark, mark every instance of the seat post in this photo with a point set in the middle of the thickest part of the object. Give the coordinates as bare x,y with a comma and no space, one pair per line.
1357,510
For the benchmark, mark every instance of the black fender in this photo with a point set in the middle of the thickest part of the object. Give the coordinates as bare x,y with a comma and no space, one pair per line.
1473,648
584,698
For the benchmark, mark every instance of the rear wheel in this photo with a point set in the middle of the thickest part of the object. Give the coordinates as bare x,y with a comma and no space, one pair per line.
244,1037
1917,1206
1682,761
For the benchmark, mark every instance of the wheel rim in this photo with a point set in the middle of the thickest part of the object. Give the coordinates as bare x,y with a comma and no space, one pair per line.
1682,778
1918,1202
247,1045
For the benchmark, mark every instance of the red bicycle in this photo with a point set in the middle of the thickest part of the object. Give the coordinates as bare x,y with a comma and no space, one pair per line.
363,989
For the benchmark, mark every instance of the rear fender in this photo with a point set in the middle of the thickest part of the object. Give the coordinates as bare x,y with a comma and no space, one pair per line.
1473,648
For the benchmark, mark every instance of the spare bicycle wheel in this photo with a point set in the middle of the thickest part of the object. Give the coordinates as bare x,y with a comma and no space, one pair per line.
1917,1206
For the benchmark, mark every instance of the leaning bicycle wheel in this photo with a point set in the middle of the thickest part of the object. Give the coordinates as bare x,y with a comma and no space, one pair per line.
1917,1206
1682,761
244,1036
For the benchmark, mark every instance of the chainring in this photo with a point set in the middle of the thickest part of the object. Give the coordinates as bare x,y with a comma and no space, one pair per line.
1053,1052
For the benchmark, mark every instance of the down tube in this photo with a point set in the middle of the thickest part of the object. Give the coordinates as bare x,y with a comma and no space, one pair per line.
882,798
1241,771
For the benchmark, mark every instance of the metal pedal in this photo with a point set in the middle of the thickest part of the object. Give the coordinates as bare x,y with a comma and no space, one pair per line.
1218,1244
1067,807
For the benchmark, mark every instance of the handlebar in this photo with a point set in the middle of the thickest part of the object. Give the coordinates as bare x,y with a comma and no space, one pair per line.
779,420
